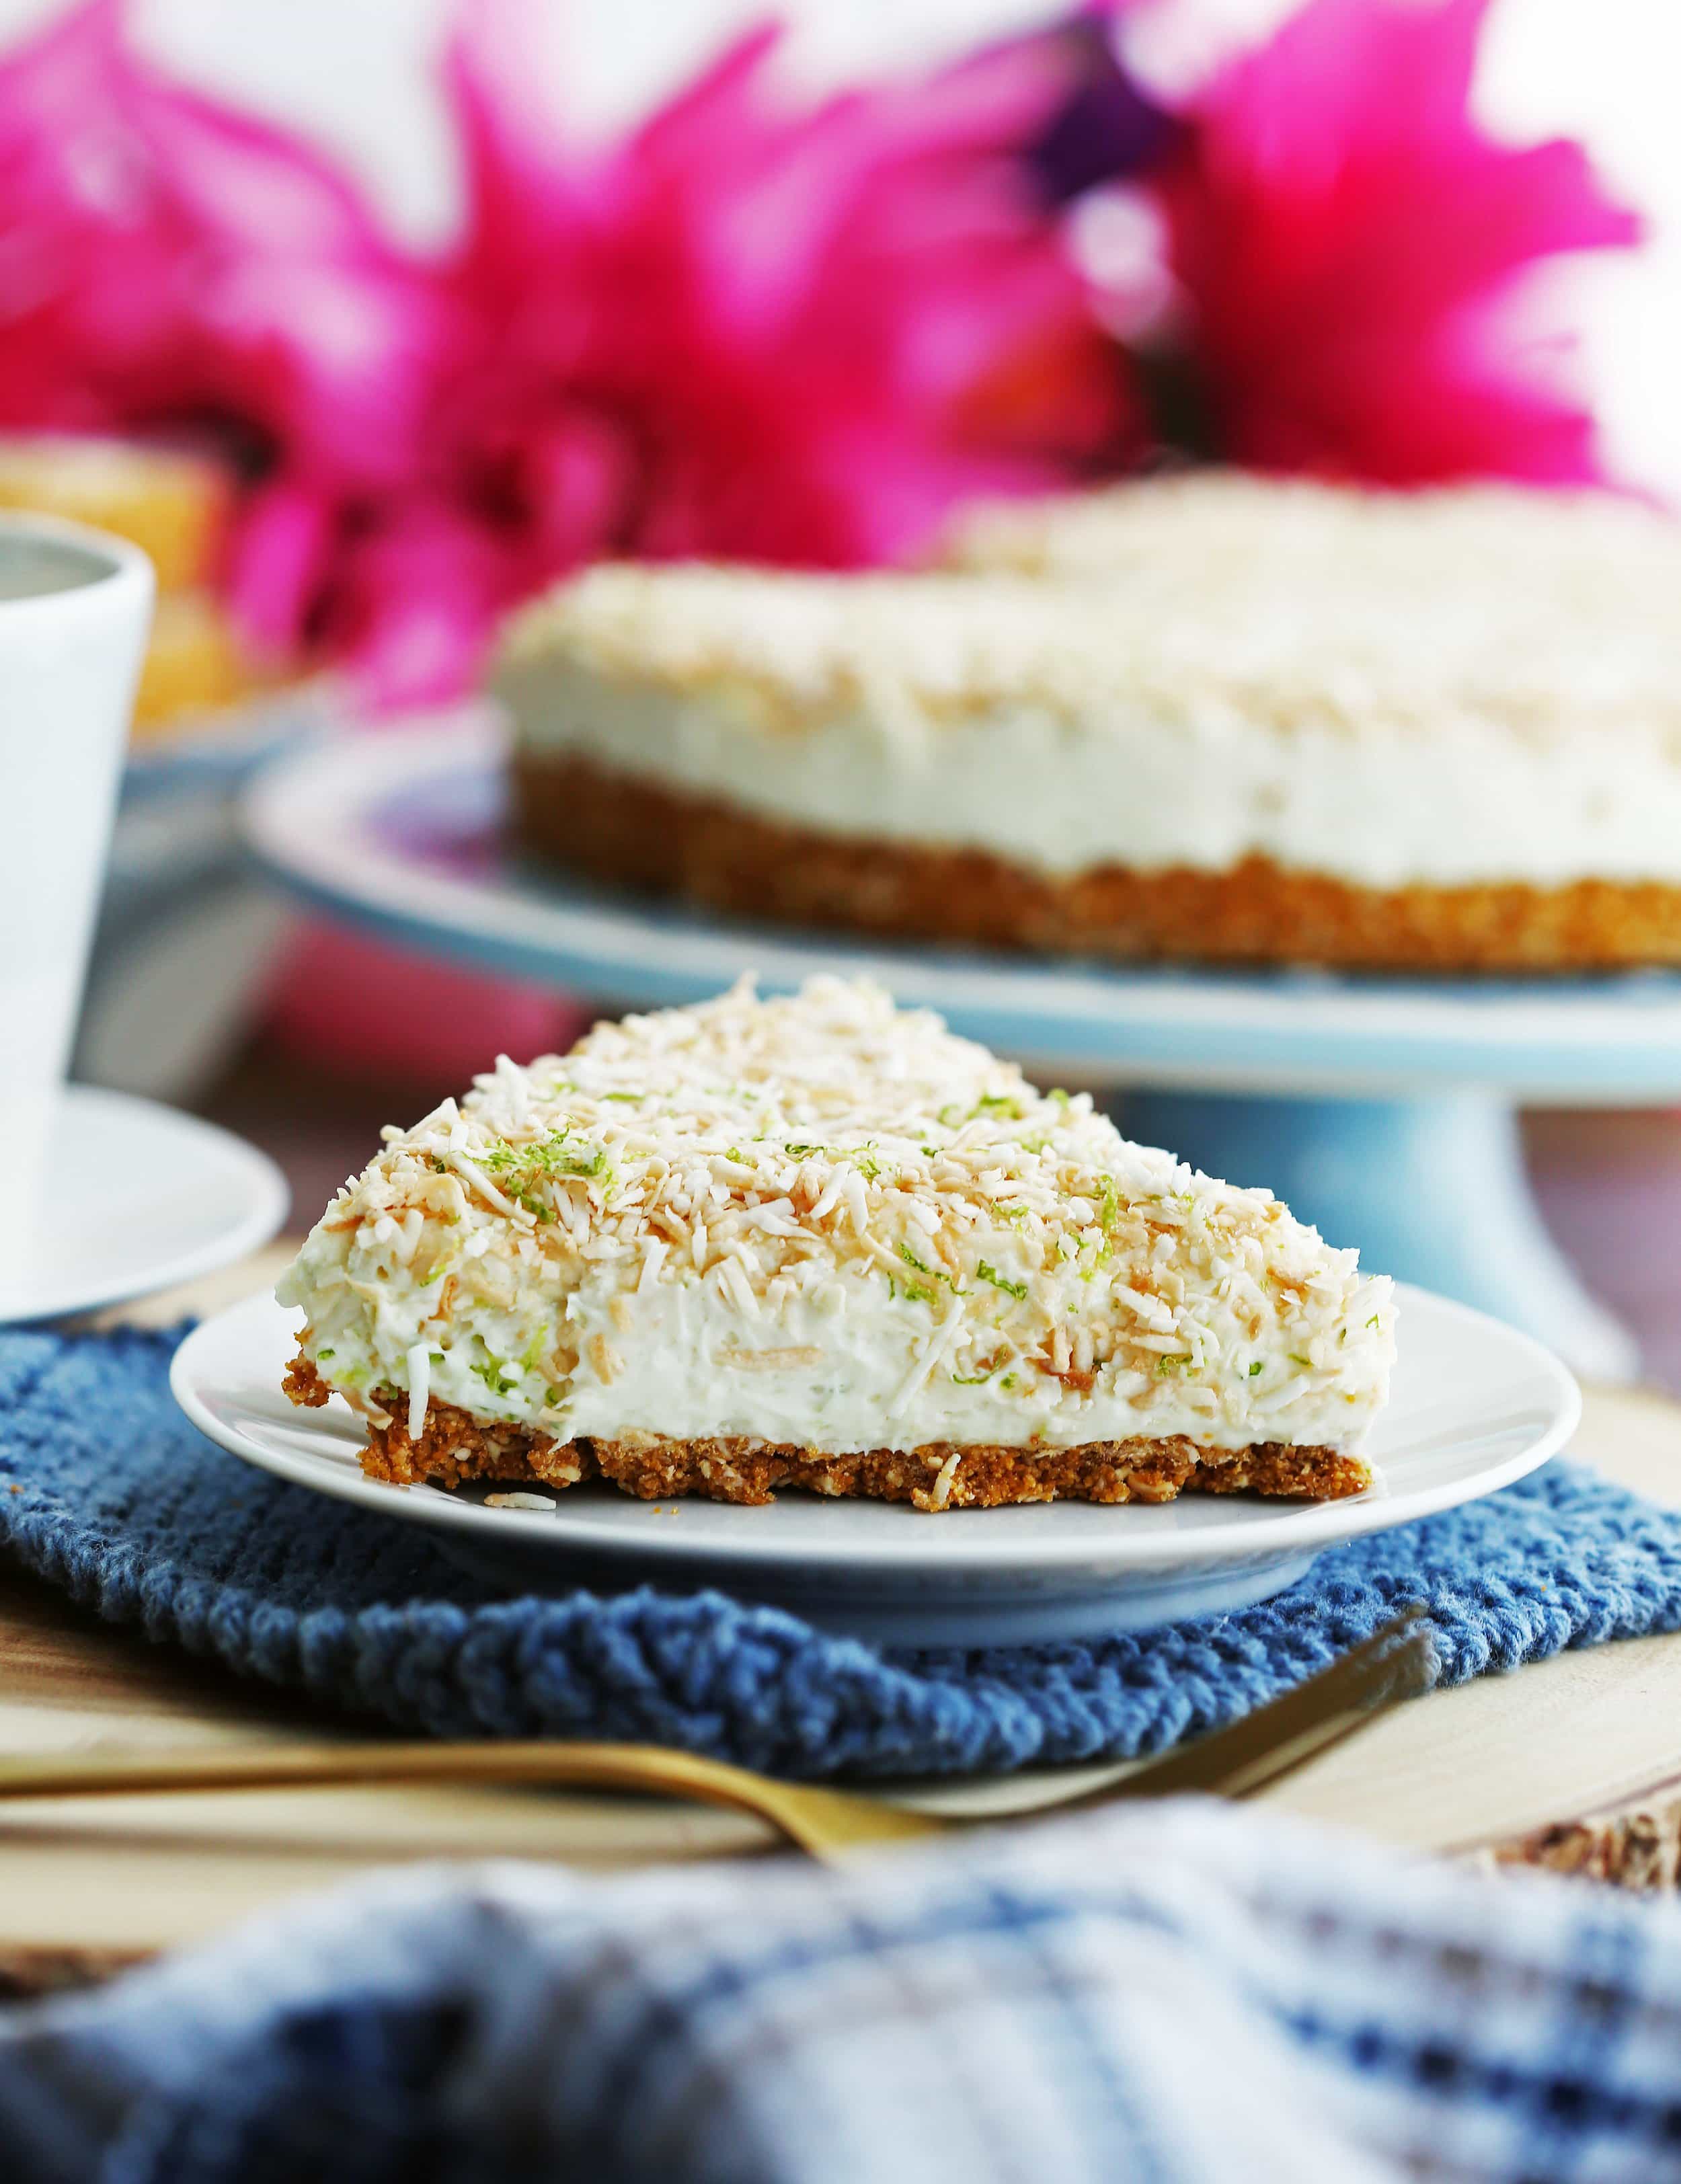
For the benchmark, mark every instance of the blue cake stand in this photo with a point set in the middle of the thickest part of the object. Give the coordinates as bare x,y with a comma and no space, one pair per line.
1381,1110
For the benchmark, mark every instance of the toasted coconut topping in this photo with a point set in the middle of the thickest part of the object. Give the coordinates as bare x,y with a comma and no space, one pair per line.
1287,605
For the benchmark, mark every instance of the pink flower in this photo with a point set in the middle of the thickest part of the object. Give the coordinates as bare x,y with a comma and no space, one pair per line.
795,335
1348,242
798,334
165,264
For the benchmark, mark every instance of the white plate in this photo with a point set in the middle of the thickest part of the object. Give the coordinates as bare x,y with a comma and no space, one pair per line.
1475,1405
137,1197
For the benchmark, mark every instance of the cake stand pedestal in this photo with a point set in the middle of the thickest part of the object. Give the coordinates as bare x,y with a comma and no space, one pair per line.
1383,1111
1433,1190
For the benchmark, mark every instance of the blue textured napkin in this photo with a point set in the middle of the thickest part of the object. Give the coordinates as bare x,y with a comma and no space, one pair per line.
106,1491
1181,1994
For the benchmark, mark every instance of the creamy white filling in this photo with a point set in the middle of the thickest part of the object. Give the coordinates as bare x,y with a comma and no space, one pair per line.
856,1367
1458,802
884,1376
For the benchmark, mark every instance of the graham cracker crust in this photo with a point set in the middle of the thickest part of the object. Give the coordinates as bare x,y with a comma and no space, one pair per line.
616,826
455,1447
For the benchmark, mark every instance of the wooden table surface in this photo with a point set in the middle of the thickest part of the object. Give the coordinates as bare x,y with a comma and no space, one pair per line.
1571,1762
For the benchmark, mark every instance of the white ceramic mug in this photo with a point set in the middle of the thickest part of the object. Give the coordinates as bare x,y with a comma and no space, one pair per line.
75,609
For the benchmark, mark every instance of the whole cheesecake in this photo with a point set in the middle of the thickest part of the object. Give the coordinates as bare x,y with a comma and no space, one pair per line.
1213,719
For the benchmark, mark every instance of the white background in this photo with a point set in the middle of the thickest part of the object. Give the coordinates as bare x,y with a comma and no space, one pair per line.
356,74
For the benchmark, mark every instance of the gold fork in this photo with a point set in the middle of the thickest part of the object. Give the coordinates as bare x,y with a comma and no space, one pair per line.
1234,1762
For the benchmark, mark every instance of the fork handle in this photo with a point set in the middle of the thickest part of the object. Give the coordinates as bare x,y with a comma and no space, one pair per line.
818,1820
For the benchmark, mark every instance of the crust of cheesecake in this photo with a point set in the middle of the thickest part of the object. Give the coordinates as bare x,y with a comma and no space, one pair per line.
616,826
455,1447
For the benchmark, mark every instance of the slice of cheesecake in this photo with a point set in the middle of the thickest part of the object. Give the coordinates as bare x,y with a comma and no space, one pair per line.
820,1242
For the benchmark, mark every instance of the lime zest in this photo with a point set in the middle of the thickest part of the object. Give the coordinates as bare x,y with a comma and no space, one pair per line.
995,1103
495,1378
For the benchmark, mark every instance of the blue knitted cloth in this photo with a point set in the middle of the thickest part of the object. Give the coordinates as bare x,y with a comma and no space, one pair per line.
106,1491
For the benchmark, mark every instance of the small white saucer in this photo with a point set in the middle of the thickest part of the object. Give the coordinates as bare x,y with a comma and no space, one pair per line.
138,1198
1475,1405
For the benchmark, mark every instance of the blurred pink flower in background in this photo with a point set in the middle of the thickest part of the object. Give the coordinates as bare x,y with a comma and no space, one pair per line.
755,328
786,333
169,265
1348,240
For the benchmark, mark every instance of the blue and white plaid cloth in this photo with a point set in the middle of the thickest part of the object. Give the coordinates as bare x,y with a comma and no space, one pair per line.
1170,1994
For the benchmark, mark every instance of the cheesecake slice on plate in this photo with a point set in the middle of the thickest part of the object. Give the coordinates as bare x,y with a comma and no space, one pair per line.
820,1242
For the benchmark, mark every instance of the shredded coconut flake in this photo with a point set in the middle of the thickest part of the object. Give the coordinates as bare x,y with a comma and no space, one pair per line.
418,1360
